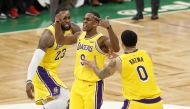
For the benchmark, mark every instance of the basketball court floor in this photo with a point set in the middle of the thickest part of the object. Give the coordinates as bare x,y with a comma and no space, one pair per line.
167,39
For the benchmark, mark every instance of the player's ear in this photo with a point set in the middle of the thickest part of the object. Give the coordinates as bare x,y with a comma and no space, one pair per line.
96,23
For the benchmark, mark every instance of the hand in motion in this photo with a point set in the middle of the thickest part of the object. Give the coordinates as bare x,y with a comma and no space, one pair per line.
91,64
30,90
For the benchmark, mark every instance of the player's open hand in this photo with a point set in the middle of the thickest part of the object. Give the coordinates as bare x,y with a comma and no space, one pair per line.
91,64
30,90
104,22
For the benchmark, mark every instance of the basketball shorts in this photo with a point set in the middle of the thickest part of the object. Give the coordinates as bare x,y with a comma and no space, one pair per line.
47,85
155,103
86,95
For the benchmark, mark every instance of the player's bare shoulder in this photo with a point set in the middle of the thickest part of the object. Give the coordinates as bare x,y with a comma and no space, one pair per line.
46,39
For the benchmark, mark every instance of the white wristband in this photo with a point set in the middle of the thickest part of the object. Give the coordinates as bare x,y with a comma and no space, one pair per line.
36,59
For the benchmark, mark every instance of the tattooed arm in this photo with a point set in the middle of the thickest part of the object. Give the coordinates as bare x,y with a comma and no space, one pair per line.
107,71
113,66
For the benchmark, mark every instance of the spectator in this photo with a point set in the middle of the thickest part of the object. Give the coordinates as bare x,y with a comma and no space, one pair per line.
140,8
53,7
96,3
55,4
2,15
44,3
29,8
12,8
24,6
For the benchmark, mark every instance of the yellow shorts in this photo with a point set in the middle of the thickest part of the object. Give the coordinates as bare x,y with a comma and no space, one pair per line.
47,85
156,103
86,95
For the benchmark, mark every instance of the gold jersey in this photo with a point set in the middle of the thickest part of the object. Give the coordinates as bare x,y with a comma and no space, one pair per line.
138,80
54,55
87,48
46,81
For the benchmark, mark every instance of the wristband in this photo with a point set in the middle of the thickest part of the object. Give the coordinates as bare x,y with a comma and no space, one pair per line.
28,81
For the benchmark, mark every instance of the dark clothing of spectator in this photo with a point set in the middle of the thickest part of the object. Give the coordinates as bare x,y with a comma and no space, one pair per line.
140,8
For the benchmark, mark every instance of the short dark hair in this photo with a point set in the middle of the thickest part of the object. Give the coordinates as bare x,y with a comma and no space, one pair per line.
95,14
129,38
61,9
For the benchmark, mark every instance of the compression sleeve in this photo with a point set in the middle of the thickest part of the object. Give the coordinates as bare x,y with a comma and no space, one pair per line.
36,59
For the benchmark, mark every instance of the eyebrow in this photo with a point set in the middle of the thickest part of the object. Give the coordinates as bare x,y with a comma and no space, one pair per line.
97,18
67,17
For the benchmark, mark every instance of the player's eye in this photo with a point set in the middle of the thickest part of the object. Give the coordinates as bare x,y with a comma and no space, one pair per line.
67,18
87,19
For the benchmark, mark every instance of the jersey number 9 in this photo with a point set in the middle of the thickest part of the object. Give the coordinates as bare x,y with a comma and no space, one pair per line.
82,57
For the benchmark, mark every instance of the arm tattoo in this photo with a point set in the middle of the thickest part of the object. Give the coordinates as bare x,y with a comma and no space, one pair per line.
108,70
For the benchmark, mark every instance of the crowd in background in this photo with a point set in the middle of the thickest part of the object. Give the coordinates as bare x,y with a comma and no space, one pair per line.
13,8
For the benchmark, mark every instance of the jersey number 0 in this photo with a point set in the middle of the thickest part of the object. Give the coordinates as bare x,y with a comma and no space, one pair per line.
142,73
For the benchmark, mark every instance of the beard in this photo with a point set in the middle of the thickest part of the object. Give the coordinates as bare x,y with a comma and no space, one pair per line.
65,27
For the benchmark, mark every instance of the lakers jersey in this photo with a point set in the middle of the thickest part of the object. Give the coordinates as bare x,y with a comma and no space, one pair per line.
87,48
46,81
138,81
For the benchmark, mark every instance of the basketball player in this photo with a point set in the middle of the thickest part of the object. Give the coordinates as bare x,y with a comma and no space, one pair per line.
86,92
136,68
42,79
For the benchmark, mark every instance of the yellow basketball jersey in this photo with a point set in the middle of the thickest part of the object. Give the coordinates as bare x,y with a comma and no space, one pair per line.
87,48
54,55
46,81
138,80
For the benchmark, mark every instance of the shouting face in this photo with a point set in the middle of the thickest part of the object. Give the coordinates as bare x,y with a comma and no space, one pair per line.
90,22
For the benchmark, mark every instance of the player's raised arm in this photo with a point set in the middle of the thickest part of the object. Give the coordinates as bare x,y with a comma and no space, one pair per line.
60,38
75,28
112,40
